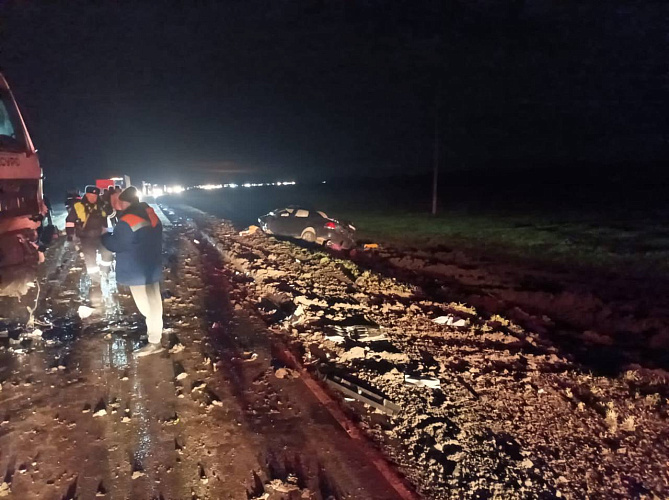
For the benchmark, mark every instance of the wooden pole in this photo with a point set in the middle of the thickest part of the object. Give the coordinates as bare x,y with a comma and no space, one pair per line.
435,173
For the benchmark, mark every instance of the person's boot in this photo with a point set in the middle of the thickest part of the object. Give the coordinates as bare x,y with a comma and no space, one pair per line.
147,350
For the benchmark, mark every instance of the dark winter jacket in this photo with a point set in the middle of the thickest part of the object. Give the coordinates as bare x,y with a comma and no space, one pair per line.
138,242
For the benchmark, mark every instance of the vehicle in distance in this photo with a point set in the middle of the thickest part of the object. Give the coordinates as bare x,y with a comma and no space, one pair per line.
308,225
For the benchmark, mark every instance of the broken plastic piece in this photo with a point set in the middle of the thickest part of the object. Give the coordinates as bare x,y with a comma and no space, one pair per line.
361,333
353,390
431,382
85,311
450,320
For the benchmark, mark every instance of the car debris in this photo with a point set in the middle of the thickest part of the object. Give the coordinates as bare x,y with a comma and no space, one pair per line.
450,320
85,312
360,393
358,333
430,382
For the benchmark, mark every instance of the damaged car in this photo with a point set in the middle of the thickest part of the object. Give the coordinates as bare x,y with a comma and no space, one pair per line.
309,225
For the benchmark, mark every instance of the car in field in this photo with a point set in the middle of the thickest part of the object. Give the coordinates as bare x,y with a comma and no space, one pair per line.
309,225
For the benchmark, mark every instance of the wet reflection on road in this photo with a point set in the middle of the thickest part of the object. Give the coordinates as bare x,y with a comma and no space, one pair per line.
141,414
83,418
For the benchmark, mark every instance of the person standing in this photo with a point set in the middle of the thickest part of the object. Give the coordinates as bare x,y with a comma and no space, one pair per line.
71,219
137,241
115,192
90,220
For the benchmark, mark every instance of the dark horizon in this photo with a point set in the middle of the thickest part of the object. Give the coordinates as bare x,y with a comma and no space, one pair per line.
307,90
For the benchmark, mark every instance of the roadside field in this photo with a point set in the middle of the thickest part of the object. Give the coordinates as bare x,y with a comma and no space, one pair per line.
577,233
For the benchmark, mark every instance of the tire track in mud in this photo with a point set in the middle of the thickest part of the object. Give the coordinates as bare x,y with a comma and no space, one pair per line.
82,418
295,440
514,418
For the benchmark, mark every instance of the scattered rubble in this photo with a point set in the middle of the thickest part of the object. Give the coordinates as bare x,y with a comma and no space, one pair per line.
285,373
282,490
477,410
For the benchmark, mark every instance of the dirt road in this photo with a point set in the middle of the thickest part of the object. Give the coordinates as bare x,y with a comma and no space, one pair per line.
466,404
81,418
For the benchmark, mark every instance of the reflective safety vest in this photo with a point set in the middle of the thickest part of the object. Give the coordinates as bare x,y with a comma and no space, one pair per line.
90,218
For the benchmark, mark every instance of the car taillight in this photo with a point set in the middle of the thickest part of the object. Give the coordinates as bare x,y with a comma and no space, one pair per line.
330,225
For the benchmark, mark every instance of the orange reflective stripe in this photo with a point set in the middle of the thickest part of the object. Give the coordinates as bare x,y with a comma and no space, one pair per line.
132,220
136,222
152,217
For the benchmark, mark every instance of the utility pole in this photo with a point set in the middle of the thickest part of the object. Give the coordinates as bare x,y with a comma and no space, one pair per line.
435,159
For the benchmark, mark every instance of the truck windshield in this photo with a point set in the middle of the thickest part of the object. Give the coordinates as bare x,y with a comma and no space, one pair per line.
11,131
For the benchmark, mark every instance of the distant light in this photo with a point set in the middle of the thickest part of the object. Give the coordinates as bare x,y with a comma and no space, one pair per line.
233,185
116,178
247,184
324,182
174,189
211,186
156,192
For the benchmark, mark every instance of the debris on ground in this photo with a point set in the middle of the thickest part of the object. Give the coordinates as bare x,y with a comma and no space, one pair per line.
430,382
249,231
85,312
285,373
488,401
450,320
479,395
284,490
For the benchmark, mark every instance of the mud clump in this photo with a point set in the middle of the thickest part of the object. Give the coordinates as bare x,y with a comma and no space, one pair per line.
484,407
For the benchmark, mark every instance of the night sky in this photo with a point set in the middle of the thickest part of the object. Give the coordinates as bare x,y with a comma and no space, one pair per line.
288,89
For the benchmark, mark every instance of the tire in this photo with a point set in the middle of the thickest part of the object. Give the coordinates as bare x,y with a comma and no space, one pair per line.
308,235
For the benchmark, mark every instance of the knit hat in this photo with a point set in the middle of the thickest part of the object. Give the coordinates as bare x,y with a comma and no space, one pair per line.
93,189
129,194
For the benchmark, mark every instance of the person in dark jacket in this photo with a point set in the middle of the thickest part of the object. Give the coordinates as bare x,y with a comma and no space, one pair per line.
70,222
90,219
137,241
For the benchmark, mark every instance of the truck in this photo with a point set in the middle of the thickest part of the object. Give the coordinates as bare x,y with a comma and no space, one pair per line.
22,206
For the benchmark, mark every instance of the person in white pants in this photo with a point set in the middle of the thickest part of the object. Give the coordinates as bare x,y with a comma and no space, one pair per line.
149,301
138,241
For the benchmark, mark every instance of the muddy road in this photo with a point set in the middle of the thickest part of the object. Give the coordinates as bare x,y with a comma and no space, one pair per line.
209,419
465,401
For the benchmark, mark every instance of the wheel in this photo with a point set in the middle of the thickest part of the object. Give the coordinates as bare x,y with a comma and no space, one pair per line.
309,235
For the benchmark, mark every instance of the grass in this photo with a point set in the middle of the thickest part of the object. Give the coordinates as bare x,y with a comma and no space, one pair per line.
604,245
579,234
